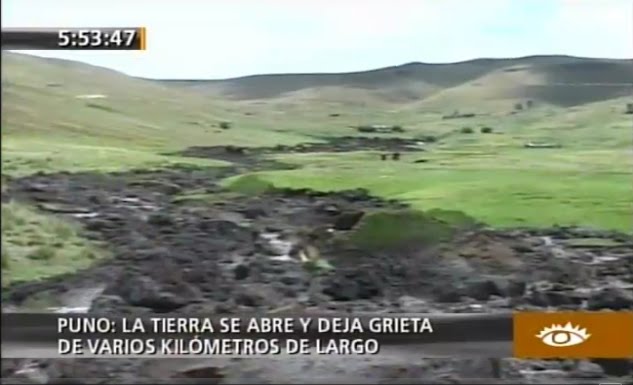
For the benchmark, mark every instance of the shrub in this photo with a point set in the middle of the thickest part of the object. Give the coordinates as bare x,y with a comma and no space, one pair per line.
428,139
466,130
385,229
486,130
250,184
225,125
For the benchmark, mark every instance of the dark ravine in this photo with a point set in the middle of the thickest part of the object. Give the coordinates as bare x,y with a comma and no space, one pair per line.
174,257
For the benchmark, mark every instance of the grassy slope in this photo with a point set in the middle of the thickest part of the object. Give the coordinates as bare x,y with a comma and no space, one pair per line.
36,245
491,177
45,125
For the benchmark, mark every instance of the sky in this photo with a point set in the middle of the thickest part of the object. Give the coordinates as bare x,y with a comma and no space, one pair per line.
212,39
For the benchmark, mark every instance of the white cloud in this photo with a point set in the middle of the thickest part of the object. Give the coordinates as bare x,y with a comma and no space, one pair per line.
222,38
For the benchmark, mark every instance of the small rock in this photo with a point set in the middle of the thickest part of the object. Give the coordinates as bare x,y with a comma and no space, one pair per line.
31,374
208,374
351,285
249,298
560,298
587,369
516,288
253,212
160,220
522,248
171,188
348,220
538,298
448,294
274,246
241,271
483,289
292,279
225,228
356,195
105,304
330,209
96,199
145,292
36,187
223,308
613,298
97,224
410,304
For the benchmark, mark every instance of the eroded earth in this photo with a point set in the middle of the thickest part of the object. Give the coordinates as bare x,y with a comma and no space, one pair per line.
229,253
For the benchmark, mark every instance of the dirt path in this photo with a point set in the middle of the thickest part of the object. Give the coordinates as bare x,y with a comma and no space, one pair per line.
220,257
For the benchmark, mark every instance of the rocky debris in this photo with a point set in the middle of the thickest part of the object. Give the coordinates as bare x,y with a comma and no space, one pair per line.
160,219
184,258
352,285
201,375
614,298
587,369
409,304
252,156
241,271
484,288
143,291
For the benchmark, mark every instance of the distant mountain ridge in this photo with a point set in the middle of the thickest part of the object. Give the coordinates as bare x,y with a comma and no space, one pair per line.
559,80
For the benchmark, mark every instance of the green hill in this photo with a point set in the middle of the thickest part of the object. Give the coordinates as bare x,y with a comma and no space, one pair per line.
61,115
556,80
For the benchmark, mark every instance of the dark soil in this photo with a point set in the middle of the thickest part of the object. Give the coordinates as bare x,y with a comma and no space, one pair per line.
187,257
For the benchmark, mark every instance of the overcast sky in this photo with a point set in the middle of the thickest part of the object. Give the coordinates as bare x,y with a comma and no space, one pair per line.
228,38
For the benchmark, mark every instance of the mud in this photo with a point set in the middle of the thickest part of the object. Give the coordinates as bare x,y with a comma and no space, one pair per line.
252,155
236,255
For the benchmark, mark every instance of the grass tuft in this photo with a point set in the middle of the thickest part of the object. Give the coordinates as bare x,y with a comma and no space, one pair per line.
37,245
387,229
250,185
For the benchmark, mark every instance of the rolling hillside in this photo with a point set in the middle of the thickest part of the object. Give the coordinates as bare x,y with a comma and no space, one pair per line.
60,115
554,80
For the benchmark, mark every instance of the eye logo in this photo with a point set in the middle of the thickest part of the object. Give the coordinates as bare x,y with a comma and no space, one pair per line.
560,336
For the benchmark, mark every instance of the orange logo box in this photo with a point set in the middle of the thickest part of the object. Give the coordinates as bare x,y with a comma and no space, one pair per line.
573,335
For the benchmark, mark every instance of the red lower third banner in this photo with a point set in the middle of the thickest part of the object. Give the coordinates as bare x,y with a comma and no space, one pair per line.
574,335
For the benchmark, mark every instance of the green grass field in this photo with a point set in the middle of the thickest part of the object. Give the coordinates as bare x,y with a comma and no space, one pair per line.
491,177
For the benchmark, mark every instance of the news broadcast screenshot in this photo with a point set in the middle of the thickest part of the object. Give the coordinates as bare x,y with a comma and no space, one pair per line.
317,192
